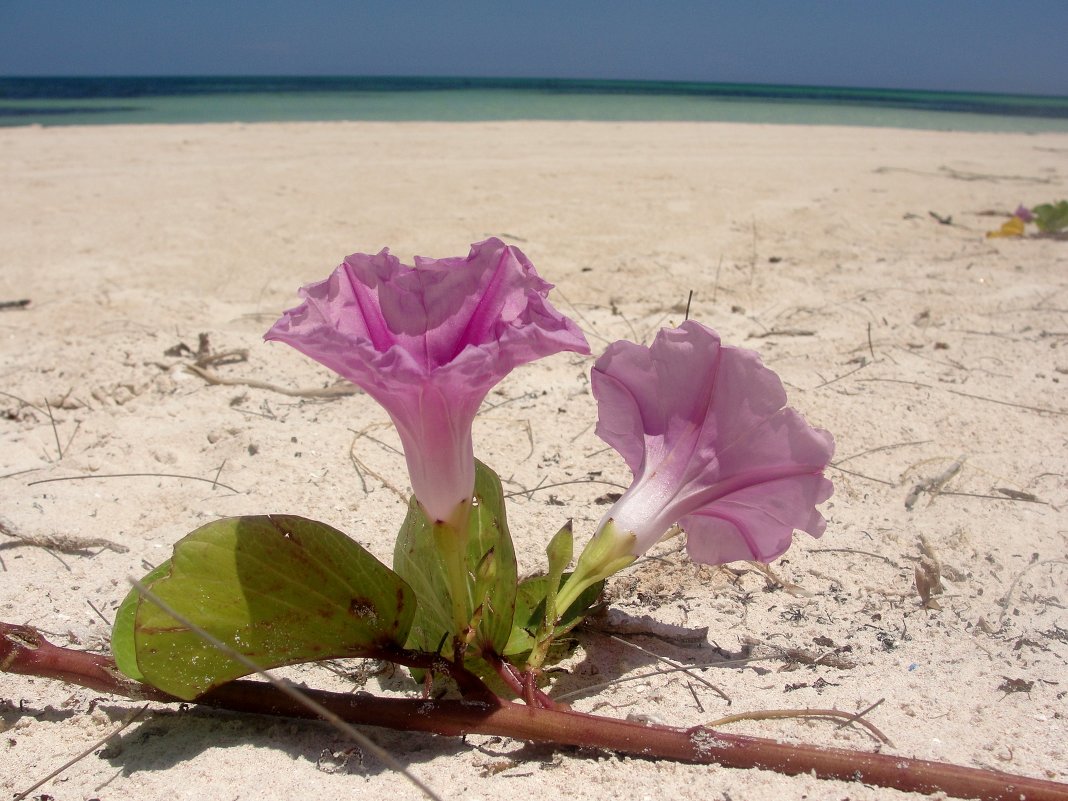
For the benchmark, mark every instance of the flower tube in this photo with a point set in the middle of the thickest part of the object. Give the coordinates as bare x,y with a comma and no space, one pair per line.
428,342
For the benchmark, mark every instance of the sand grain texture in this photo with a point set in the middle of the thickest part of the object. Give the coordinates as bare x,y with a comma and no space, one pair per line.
917,344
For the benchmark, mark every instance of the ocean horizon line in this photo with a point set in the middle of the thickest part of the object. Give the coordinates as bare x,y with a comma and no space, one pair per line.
94,100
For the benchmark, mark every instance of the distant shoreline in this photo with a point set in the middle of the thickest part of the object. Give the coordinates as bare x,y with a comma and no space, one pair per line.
191,99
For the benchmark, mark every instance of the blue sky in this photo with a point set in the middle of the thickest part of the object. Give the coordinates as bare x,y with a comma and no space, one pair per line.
972,45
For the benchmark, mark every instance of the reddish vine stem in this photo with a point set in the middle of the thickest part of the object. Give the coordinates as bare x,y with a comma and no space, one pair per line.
24,650
471,687
522,683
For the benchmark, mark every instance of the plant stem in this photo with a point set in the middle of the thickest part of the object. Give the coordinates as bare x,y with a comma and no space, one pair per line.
522,683
451,543
24,650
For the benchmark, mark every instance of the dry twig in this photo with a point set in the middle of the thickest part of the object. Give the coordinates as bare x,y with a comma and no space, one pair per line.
338,390
64,543
832,714
75,760
934,484
213,481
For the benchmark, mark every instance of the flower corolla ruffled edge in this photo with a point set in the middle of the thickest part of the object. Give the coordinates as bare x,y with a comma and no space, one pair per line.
713,448
428,343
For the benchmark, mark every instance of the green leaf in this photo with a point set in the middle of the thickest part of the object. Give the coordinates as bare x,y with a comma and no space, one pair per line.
1051,217
279,589
122,632
530,612
490,569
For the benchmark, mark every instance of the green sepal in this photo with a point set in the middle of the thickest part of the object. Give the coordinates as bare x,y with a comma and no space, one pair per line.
490,573
279,589
559,552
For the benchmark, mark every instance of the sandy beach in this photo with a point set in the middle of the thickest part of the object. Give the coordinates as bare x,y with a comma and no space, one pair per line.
938,358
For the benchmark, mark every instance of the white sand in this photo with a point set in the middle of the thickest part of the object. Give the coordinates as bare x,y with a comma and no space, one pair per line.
929,344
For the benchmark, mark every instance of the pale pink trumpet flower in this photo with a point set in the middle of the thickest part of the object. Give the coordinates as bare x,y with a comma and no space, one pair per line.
705,429
428,342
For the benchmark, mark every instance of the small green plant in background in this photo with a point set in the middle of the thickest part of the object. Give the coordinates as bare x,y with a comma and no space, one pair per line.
1051,219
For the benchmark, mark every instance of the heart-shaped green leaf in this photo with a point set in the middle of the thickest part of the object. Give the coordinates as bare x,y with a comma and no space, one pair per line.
279,589
490,571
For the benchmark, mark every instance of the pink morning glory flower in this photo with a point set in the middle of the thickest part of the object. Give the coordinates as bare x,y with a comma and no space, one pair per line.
705,431
428,342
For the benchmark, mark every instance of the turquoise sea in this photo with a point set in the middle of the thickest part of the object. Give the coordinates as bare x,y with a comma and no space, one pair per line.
148,100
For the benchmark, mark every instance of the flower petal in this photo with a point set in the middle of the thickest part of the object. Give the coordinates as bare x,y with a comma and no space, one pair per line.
756,523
